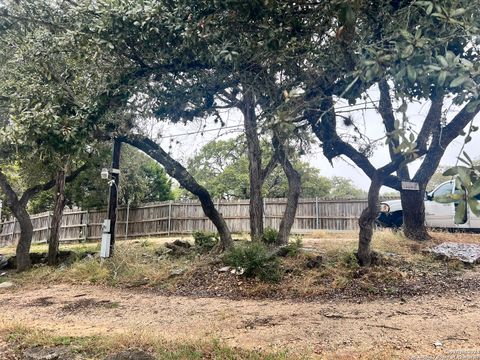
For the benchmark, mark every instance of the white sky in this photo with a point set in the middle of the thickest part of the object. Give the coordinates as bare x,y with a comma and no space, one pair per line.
369,121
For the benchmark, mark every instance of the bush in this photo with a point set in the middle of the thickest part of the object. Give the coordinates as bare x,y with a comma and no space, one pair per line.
269,236
205,241
256,261
294,248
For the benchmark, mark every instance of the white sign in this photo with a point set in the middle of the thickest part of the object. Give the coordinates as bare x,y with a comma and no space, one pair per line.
410,185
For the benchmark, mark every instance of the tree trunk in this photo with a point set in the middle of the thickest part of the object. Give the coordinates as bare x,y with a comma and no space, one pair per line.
179,173
294,189
26,234
414,219
254,166
19,209
367,221
59,205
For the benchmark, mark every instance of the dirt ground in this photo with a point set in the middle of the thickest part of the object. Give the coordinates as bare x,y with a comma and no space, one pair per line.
348,330
438,323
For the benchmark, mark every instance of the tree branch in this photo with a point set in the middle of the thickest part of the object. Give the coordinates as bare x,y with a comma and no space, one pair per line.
34,190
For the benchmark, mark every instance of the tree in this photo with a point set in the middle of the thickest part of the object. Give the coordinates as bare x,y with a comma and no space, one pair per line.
47,111
222,166
343,188
425,60
142,180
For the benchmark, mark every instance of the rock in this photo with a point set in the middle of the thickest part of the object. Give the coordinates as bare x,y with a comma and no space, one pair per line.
438,343
182,243
467,253
3,261
56,353
178,250
6,285
237,271
315,262
176,272
133,354
224,269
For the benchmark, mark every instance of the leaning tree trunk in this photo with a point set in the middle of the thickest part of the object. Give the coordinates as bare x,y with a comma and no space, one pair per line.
18,208
59,205
414,219
254,166
294,189
367,222
179,173
25,241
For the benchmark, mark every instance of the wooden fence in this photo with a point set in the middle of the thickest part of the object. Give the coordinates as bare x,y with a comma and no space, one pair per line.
169,218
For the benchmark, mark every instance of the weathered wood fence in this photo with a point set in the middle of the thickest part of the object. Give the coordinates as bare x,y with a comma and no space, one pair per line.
168,218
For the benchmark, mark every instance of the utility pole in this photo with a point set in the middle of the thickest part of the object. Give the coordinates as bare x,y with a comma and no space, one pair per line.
113,198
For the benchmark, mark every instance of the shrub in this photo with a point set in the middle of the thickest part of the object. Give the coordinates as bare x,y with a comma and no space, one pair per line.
256,261
205,241
269,236
294,248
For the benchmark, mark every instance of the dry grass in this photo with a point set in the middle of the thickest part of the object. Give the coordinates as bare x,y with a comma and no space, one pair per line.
136,263
97,347
20,337
141,263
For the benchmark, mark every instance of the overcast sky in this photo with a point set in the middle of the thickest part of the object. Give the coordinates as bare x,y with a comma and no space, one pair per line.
187,139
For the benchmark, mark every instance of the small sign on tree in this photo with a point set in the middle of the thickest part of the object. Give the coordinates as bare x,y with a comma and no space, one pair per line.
410,185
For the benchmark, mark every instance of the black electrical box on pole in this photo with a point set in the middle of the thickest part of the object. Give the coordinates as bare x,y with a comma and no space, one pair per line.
113,198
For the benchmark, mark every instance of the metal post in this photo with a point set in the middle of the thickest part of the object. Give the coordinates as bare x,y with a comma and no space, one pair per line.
126,223
169,226
317,220
113,198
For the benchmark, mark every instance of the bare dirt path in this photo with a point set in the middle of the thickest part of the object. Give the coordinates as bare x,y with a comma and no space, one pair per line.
342,328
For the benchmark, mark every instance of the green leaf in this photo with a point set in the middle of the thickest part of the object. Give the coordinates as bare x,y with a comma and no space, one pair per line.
444,199
474,205
442,61
458,81
458,12
472,106
429,9
411,73
475,190
460,212
407,51
451,172
464,175
442,76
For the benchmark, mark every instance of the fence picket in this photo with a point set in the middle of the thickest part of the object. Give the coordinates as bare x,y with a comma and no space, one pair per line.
168,218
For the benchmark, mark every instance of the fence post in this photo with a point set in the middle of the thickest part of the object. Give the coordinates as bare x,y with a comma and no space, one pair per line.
85,225
264,212
317,220
12,237
169,217
48,227
126,220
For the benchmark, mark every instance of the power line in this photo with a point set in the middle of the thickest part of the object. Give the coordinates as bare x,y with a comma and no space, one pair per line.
241,125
